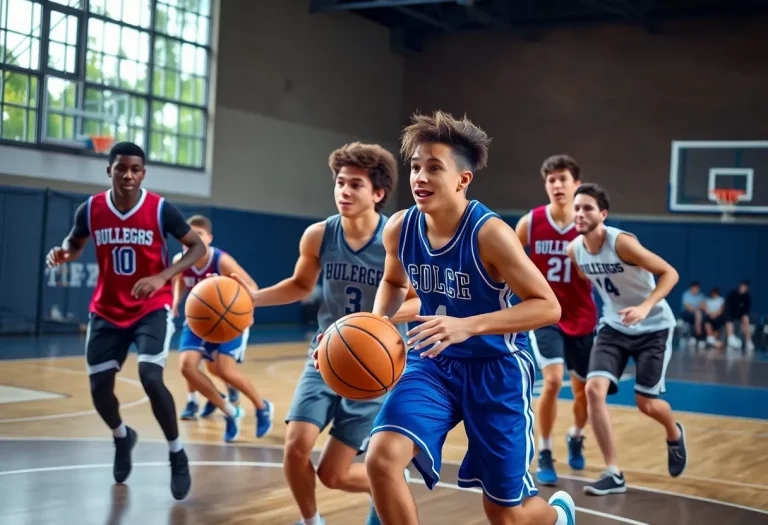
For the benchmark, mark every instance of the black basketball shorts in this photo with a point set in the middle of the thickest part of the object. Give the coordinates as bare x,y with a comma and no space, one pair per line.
552,346
107,345
651,353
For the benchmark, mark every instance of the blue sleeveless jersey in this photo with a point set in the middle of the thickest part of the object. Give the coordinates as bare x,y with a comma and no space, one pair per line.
452,281
191,276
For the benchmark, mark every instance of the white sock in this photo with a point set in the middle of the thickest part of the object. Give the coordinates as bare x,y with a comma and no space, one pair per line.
229,409
121,431
562,518
192,397
175,445
576,431
315,520
545,443
614,469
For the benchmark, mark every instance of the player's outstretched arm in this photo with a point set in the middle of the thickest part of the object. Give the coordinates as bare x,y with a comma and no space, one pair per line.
394,286
502,254
72,246
523,225
304,278
629,249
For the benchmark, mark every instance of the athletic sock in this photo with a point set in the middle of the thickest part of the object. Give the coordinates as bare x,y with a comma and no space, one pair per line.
315,520
545,443
121,431
175,445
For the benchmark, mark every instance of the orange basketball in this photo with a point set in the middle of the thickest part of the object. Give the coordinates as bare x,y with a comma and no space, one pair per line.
361,356
218,309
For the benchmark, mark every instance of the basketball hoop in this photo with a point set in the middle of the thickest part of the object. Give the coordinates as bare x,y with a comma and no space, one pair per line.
100,144
727,198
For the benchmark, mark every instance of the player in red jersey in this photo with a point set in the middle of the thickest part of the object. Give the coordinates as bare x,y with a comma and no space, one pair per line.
547,230
132,300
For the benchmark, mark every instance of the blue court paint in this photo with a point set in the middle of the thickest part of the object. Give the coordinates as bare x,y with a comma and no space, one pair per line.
722,400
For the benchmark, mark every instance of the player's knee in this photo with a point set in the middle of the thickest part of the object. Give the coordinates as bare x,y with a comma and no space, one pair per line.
188,367
644,404
596,391
553,383
330,475
102,383
386,457
297,448
151,376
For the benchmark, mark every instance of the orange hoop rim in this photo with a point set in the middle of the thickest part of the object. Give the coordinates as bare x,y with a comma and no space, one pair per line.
727,196
101,143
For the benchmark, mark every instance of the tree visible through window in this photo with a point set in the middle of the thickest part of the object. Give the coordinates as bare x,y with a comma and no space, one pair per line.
133,69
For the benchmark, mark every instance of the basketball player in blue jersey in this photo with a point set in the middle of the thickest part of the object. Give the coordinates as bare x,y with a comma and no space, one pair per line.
347,250
181,284
224,356
636,322
468,359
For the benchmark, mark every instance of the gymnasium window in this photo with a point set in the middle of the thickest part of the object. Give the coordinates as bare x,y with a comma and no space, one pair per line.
136,70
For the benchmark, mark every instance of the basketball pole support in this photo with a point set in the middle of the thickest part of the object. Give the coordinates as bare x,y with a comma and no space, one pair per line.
41,257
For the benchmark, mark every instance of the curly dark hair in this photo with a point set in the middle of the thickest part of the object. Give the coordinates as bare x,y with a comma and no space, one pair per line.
377,161
468,141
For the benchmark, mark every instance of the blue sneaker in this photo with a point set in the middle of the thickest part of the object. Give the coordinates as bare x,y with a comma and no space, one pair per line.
575,452
232,429
564,500
546,474
264,419
210,408
190,411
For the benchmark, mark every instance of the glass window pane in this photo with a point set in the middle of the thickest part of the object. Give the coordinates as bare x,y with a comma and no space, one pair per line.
143,47
129,43
21,14
22,51
114,9
93,67
71,59
98,7
109,70
188,58
203,25
72,30
62,93
201,62
200,91
187,89
15,88
190,121
56,56
137,12
31,126
163,148
78,4
172,85
189,151
54,126
58,26
14,123
158,81
32,91
165,116
95,34
189,29
111,43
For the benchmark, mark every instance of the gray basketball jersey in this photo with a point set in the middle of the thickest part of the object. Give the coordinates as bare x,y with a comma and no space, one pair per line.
621,285
349,278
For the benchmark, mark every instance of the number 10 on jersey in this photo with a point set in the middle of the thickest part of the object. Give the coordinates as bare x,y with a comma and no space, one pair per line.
124,260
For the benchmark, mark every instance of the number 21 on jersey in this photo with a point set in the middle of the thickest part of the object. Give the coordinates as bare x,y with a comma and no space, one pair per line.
559,270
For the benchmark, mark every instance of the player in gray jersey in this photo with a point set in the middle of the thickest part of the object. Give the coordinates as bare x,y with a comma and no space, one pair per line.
636,322
347,251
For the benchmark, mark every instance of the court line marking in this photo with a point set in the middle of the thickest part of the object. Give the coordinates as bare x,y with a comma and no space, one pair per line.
65,415
319,449
269,464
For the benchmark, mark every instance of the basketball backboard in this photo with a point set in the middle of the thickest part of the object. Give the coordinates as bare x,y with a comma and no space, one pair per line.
699,167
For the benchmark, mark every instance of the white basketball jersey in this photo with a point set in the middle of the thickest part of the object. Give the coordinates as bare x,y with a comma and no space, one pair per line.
621,285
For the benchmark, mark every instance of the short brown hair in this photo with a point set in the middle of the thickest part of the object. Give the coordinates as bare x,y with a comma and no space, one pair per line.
377,161
468,142
201,221
560,163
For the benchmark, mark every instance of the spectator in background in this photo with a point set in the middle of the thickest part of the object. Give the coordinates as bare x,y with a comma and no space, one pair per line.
714,307
693,300
738,306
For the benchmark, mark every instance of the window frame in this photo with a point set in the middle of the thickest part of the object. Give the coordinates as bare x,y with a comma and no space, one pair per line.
83,15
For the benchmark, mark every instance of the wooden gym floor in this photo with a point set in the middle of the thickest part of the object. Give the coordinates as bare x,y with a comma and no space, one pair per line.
56,454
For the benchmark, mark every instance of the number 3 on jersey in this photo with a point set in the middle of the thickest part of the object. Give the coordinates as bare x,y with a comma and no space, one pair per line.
124,260
559,270
354,299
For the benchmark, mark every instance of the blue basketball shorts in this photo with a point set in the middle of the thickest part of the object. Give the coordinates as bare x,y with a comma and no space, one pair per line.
493,398
235,348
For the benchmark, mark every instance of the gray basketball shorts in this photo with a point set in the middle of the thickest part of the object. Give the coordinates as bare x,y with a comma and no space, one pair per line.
314,402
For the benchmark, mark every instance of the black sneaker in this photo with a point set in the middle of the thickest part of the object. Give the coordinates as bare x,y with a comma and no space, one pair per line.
609,483
181,481
121,468
677,456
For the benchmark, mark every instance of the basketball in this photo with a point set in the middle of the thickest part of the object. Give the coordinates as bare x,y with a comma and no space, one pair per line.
218,309
361,356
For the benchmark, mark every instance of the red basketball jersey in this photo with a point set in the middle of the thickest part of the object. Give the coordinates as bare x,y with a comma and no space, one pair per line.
548,251
129,246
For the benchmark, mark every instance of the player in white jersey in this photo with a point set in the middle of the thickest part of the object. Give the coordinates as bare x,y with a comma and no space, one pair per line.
636,322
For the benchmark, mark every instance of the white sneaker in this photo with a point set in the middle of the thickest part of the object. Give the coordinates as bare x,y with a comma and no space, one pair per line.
711,340
734,342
